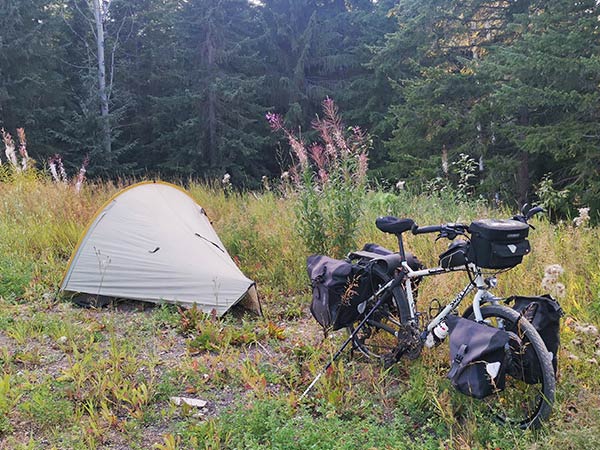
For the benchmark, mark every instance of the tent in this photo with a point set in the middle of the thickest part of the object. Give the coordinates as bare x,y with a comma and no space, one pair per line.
153,242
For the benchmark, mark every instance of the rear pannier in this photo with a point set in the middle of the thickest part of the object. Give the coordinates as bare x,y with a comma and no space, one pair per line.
544,313
478,357
498,244
338,289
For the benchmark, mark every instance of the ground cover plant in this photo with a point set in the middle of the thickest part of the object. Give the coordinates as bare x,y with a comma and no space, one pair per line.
74,378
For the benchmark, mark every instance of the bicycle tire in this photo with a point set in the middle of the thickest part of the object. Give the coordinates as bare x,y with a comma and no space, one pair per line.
378,338
521,404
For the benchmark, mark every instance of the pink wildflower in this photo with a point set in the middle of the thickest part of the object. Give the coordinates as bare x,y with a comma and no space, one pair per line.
318,155
299,149
9,145
295,176
331,113
275,121
52,166
57,169
324,131
334,125
81,175
363,165
23,148
323,176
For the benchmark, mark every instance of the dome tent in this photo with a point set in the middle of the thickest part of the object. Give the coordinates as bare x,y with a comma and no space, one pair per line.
153,242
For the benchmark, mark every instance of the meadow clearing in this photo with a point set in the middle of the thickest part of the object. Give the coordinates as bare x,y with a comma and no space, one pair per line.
76,378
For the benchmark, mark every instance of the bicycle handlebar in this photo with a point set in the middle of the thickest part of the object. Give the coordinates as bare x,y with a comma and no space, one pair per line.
447,230
428,229
451,230
527,214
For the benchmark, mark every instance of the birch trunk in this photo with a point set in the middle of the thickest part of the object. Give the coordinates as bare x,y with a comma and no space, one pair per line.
102,93
212,99
523,169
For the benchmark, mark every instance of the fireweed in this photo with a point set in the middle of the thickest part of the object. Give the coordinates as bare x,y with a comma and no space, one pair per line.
329,179
59,174
11,155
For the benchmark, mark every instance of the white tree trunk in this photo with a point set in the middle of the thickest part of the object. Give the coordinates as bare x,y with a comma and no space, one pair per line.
102,92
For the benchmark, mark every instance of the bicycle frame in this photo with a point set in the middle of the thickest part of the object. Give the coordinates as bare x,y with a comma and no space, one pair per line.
479,282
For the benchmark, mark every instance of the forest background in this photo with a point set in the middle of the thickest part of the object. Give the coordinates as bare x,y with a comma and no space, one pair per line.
181,88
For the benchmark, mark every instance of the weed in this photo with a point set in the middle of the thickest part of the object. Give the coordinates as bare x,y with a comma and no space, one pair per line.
330,181
46,407
170,442
9,398
75,378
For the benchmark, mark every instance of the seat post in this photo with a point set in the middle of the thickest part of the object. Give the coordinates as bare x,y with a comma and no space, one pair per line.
401,246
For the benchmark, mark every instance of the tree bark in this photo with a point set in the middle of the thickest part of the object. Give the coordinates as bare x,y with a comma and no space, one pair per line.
523,169
212,99
523,178
102,93
212,126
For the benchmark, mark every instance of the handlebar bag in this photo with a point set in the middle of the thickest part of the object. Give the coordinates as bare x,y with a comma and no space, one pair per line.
478,355
498,244
544,313
338,288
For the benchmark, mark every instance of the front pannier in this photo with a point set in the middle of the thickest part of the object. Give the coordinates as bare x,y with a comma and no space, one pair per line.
544,313
498,244
478,357
338,289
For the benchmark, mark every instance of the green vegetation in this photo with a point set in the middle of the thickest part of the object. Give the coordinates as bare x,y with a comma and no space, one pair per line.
74,378
330,178
511,86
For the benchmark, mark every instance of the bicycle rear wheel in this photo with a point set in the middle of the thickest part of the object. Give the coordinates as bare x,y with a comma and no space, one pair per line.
522,404
378,338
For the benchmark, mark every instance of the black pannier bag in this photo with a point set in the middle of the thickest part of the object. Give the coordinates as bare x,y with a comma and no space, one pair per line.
413,261
478,357
498,243
338,288
544,313
375,252
455,256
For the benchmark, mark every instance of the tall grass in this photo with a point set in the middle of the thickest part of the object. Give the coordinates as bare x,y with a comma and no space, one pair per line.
110,373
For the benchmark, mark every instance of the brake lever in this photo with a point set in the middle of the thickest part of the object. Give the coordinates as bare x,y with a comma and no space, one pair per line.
450,235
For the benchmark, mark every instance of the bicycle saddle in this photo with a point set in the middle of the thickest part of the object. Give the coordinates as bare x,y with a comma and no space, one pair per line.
393,225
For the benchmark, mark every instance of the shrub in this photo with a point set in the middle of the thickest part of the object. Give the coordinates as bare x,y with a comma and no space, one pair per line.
329,178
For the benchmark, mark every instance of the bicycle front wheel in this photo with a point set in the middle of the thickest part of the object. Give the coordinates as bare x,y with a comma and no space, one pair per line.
520,403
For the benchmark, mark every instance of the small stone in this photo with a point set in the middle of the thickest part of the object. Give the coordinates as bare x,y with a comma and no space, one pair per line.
194,402
62,340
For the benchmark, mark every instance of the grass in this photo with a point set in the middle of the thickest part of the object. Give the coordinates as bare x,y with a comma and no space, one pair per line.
74,378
